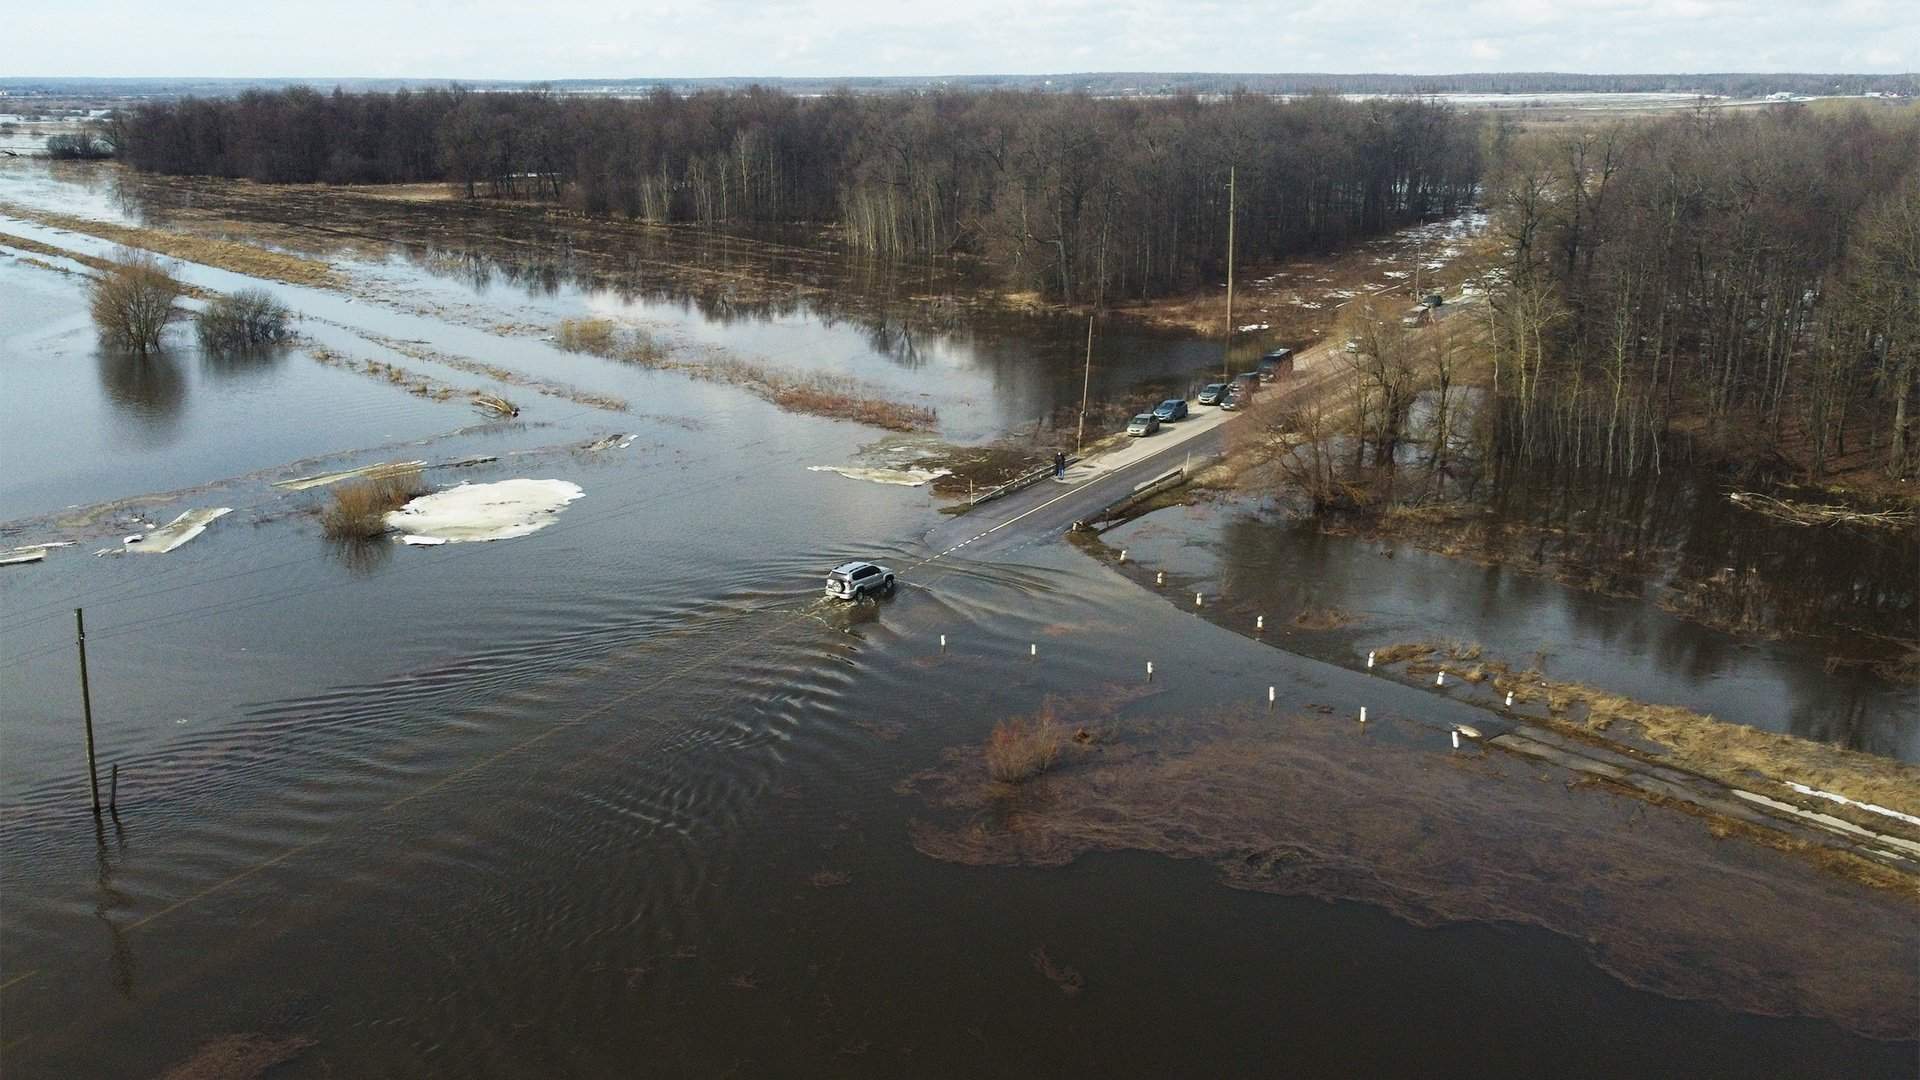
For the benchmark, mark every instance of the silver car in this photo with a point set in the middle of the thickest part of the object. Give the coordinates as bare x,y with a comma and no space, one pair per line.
851,581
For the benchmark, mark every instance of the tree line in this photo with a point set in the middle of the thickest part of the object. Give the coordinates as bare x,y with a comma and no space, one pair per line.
1753,280
1080,199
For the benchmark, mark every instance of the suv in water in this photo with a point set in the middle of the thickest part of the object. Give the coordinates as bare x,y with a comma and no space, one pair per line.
851,581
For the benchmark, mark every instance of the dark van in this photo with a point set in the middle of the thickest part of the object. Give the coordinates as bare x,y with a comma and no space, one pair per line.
1275,364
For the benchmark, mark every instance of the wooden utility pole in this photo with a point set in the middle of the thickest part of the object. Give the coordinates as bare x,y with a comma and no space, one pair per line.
1086,382
1226,358
86,704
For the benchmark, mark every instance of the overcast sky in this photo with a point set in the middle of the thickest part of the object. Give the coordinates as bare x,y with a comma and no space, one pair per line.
535,39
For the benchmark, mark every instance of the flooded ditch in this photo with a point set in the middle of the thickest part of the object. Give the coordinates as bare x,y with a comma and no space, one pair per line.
625,792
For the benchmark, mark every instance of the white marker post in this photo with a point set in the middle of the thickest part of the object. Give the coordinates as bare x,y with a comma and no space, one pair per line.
1456,740
1509,699
1123,554
1439,678
1269,697
943,643
1259,622
1369,659
1363,714
1159,577
1196,599
1033,651
1149,671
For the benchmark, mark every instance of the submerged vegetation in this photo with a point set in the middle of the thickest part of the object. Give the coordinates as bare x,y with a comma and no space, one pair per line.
1021,748
248,319
358,508
817,394
132,300
1079,199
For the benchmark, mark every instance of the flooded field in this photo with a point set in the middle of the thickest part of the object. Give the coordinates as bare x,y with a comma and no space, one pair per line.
627,793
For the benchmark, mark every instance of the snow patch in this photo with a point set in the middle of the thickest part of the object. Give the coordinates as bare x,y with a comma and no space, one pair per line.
473,513
902,477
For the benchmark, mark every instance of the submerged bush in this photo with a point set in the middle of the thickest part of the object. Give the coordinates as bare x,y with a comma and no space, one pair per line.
358,510
247,319
604,337
1021,749
133,300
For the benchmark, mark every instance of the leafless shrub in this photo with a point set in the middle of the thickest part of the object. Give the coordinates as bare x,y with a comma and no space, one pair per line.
247,319
1021,748
358,510
133,300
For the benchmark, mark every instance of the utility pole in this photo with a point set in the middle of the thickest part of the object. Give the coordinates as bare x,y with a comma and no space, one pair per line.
86,704
1086,381
1226,357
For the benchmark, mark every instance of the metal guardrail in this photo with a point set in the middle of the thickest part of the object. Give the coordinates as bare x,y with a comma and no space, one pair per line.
1025,480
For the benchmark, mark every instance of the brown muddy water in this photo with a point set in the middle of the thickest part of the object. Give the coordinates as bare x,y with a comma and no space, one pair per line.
626,796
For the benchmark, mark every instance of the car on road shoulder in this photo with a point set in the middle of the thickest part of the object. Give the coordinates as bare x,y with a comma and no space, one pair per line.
1144,424
1213,394
853,580
1236,397
1170,410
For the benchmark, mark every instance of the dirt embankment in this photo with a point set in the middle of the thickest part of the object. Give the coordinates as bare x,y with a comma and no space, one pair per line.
1315,806
1733,754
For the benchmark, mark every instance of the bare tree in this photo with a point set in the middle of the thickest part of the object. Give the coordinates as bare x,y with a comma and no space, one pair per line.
134,300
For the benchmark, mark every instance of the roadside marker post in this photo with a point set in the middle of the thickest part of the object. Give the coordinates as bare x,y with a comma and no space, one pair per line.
943,643
1269,698
1259,623
1363,714
1159,577
1439,678
1033,651
1369,659
1149,671
86,704
1196,600
1456,740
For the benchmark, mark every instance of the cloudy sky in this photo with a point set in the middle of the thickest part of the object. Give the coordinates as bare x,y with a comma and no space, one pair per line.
545,39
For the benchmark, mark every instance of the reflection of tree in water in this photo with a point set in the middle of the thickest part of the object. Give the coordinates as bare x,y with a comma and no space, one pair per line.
242,363
149,390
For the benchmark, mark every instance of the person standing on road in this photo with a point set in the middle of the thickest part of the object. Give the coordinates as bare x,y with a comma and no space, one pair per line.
1059,464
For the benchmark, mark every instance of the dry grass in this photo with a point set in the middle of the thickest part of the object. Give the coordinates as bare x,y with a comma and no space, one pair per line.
819,394
238,1057
207,251
1023,747
358,509
1734,754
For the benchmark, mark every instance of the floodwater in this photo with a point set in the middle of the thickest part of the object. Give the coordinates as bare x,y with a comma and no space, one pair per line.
627,795
1262,560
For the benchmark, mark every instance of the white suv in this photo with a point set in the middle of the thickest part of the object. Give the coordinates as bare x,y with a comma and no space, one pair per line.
851,581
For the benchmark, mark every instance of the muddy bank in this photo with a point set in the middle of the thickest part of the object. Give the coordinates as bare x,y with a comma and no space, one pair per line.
1320,806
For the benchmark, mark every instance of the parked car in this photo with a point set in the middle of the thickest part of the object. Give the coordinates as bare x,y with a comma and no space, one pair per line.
1213,394
1170,410
1144,424
1275,364
1237,396
1248,381
851,581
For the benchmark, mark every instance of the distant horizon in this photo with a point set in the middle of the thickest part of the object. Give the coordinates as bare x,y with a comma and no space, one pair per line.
842,40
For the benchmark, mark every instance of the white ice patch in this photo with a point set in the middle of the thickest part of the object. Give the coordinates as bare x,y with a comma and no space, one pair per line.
478,512
902,477
176,532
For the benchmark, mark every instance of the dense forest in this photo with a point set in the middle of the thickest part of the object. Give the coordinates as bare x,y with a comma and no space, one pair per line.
1079,198
1753,280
